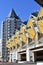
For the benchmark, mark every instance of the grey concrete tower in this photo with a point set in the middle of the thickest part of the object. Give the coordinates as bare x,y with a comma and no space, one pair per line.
9,26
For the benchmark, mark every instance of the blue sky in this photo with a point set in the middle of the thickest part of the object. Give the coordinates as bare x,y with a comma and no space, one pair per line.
23,9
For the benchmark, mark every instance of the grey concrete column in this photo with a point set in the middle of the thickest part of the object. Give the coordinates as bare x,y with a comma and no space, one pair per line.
16,53
27,51
36,33
27,55
33,56
20,43
19,56
16,56
36,38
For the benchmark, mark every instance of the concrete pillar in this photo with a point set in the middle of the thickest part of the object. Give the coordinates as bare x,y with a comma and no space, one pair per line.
27,51
10,57
20,43
27,55
36,34
33,56
16,53
19,56
36,38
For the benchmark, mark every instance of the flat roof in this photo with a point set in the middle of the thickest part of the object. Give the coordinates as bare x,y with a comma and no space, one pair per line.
40,2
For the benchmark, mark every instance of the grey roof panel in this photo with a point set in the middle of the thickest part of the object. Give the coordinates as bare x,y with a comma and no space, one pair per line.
12,14
35,13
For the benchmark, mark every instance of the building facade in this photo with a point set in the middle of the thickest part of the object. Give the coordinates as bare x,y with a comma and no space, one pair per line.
9,26
27,43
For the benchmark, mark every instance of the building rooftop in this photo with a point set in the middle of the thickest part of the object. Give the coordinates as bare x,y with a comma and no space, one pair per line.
25,22
12,14
40,2
35,13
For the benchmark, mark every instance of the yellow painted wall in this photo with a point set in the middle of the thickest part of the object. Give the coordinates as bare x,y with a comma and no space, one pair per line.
29,23
31,32
40,12
23,37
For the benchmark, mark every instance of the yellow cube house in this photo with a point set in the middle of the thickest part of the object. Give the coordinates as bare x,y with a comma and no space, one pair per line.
40,26
22,29
40,22
40,12
31,33
8,45
29,23
16,34
12,42
17,41
23,37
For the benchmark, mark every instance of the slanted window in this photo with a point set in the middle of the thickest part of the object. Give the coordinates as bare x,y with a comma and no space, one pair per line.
34,24
18,46
39,35
29,40
23,43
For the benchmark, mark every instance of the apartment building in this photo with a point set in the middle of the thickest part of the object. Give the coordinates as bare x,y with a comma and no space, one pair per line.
9,26
27,43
